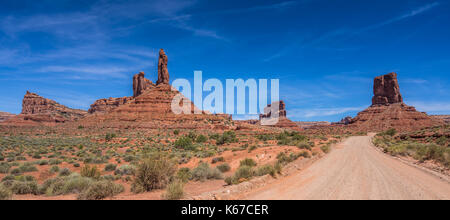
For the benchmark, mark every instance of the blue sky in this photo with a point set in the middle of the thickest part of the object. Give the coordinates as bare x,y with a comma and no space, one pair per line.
325,53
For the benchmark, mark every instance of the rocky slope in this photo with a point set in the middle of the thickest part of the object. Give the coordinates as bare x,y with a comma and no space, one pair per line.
389,111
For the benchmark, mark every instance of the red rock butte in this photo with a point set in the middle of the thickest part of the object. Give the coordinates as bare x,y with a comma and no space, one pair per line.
280,116
389,111
151,107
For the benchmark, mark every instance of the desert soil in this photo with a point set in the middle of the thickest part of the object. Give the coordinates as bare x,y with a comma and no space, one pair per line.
356,170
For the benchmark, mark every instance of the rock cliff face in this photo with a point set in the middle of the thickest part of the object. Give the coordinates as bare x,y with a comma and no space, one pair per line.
39,109
279,116
386,90
5,116
389,111
106,105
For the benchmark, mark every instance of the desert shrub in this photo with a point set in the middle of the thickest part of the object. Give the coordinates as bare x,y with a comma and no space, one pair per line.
305,154
54,169
154,172
252,148
109,137
247,162
65,172
54,162
278,167
125,170
304,145
100,190
284,159
16,171
65,185
76,165
176,132
243,173
24,168
203,172
4,167
184,143
90,171
265,137
43,162
217,159
391,132
5,193
174,191
224,167
184,174
201,139
266,169
21,188
442,141
110,167
325,148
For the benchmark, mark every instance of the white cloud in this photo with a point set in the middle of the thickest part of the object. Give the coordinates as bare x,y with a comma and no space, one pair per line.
431,107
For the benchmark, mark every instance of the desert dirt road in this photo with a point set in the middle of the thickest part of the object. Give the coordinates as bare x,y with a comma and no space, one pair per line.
355,170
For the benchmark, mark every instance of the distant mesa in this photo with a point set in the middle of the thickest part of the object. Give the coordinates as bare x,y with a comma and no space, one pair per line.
389,111
280,116
345,121
36,108
4,116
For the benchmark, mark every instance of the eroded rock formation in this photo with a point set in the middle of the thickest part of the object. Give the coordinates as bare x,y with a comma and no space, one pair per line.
276,117
39,109
386,90
163,73
106,105
389,111
140,83
151,107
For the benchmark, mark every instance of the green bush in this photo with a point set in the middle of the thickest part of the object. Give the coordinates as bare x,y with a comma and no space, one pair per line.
224,167
90,171
184,174
5,193
243,173
100,190
201,139
325,148
184,143
154,172
217,159
247,162
203,172
4,168
266,169
65,172
109,137
54,169
22,188
174,191
125,170
110,167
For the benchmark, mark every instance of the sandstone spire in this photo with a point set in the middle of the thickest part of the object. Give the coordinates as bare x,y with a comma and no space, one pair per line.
140,83
163,73
386,90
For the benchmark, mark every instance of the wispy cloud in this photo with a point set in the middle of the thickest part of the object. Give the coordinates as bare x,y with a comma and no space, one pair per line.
320,112
410,14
